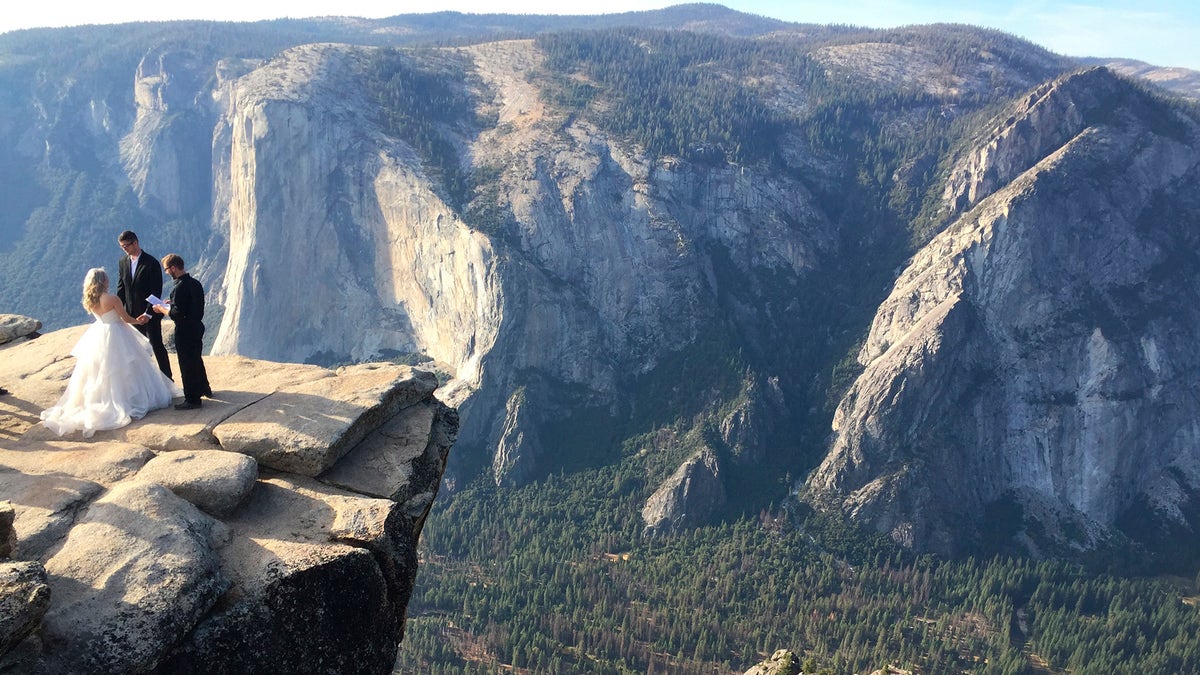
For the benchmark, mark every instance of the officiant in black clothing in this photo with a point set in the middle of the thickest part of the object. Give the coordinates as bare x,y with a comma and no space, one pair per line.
186,309
138,276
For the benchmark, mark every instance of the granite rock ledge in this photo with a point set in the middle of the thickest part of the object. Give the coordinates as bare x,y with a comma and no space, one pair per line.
275,529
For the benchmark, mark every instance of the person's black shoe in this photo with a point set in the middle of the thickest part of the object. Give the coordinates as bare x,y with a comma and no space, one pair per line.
187,405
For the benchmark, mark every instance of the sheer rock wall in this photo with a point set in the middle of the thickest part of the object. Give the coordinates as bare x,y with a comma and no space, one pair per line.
1038,352
604,265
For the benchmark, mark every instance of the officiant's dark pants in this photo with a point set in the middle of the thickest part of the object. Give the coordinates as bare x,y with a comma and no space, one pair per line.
189,347
153,332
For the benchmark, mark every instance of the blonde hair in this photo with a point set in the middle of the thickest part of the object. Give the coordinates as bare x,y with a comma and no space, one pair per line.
95,284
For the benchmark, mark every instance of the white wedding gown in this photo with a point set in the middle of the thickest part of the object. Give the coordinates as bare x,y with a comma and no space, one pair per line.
115,380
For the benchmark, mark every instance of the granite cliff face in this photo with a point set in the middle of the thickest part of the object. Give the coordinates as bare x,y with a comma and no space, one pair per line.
690,497
275,529
166,155
604,265
1031,372
337,242
577,289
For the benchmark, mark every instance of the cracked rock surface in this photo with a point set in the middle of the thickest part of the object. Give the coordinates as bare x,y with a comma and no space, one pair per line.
274,528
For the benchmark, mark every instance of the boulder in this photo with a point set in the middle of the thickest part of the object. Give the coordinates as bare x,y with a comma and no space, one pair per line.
136,572
215,481
24,597
14,327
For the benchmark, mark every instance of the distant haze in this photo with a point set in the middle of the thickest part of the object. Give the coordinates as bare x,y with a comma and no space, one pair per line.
1160,32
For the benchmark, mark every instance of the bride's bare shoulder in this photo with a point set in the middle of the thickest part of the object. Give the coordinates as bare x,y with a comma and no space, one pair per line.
107,301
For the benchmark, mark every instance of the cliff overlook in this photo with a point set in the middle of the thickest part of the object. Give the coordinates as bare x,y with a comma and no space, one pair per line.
273,529
684,273
650,242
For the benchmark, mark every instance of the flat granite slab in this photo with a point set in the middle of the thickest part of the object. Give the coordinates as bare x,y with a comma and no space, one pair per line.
307,427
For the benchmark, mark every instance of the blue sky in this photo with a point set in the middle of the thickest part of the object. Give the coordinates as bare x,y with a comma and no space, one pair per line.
1161,32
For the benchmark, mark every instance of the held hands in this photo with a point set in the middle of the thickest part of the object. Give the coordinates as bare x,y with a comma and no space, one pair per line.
142,319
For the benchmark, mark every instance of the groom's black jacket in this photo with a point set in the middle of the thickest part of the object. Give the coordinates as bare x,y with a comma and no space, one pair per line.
133,290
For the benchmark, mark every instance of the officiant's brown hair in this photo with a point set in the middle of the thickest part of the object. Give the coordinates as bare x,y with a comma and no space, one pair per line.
172,260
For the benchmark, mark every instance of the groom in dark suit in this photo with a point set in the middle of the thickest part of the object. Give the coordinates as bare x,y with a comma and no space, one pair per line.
138,275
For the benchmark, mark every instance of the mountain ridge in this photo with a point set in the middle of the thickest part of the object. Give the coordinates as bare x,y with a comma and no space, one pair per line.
519,214
959,301
681,285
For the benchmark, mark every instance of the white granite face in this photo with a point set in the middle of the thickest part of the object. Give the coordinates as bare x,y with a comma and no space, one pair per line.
1040,346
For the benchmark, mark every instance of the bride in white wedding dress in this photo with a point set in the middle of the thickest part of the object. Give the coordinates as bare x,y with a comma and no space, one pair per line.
116,378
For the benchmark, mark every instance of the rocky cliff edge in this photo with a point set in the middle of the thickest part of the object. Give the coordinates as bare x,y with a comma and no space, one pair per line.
275,529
